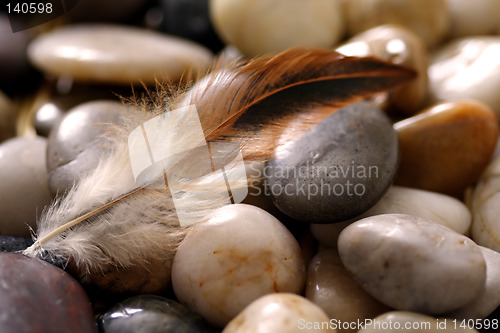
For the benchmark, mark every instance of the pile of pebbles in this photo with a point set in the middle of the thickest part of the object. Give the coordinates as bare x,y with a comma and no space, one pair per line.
384,214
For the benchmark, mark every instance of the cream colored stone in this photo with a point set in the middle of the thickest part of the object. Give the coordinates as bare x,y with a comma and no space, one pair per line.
413,264
238,255
280,313
330,286
400,46
260,26
467,68
473,18
116,54
427,18
411,322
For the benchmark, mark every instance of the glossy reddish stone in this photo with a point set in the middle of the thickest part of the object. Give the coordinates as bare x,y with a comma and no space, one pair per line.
36,296
446,147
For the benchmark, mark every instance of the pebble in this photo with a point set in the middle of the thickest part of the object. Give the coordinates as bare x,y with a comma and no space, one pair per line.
76,143
241,253
116,54
489,298
330,286
258,27
14,244
148,313
24,190
339,169
280,313
47,117
38,297
473,18
446,147
395,321
467,68
6,117
399,46
427,18
413,264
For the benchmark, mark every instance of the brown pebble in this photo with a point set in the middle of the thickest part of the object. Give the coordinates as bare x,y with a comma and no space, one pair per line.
446,147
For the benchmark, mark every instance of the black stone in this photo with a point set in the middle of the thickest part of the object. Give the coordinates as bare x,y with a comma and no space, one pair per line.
14,243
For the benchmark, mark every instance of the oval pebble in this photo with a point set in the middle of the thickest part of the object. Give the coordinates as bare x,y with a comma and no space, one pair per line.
238,255
413,264
467,68
339,169
258,27
446,147
24,189
330,286
280,313
399,46
116,54
77,142
148,313
36,296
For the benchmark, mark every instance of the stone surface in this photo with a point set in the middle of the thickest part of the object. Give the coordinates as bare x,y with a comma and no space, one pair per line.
413,264
47,117
24,190
446,147
473,18
280,313
238,255
489,298
467,68
14,244
339,169
330,286
148,313
395,321
6,117
399,46
38,297
427,18
116,54
77,142
257,27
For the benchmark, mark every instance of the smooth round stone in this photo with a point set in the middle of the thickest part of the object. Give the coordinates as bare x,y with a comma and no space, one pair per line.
339,169
330,286
432,206
148,313
280,313
257,27
6,117
238,255
395,321
413,264
116,54
47,117
76,144
473,18
467,68
36,296
489,298
427,18
399,46
24,190
446,147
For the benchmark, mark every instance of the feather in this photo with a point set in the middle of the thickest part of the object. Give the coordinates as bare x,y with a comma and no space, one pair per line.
119,236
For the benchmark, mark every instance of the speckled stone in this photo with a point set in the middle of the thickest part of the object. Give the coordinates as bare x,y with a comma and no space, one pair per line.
431,25
116,54
400,46
413,264
467,68
280,313
14,244
151,314
330,286
257,27
339,169
6,117
473,18
446,147
238,255
24,190
77,142
38,297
